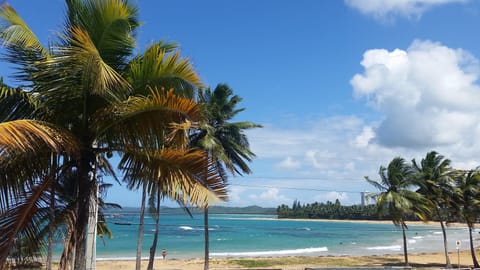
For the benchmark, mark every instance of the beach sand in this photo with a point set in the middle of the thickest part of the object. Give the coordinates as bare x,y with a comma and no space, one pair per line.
423,261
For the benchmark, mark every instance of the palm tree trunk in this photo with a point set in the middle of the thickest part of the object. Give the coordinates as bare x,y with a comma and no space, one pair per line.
447,258
138,261
153,248
86,180
472,249
405,254
207,246
51,227
91,246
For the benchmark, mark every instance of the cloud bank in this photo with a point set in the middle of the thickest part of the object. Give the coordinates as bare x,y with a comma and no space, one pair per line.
428,95
387,9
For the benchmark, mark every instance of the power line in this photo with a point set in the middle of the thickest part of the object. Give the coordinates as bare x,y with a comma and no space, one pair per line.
297,178
295,188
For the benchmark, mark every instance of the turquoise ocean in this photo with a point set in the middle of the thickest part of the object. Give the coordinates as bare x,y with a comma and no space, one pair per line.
235,235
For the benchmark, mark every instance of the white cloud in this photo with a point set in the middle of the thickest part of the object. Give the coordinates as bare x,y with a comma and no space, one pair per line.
428,94
270,197
288,163
364,138
387,9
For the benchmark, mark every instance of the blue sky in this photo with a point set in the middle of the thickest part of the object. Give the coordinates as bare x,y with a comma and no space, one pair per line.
341,87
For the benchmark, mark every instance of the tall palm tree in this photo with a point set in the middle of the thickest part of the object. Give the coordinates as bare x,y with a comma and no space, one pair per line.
467,185
396,199
89,85
225,142
433,177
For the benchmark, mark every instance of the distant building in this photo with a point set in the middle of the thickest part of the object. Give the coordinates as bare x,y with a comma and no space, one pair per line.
365,200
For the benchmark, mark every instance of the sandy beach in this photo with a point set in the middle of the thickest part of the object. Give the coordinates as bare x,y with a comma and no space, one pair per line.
422,261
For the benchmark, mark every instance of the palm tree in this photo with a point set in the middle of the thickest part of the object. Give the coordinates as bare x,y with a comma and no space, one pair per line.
396,199
225,142
466,198
89,85
155,68
433,176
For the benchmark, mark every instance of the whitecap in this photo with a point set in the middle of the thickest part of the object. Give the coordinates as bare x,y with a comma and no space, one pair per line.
185,228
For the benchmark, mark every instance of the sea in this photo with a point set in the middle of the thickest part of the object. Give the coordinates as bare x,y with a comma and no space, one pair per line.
236,235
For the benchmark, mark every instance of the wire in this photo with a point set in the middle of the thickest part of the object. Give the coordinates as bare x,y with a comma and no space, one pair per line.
295,188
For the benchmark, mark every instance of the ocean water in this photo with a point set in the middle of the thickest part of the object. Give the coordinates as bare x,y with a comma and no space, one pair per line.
262,235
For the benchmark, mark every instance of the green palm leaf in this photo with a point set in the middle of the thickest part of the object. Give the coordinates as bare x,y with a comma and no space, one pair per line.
161,66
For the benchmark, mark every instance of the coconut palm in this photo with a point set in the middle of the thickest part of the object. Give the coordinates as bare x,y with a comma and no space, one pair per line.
433,177
396,199
467,187
225,142
89,85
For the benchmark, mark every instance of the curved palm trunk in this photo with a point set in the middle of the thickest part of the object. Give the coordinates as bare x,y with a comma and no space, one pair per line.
472,249
207,246
138,260
153,248
445,246
405,254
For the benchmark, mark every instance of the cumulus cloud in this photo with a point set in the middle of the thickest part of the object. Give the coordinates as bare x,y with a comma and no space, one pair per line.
427,93
288,163
387,9
270,197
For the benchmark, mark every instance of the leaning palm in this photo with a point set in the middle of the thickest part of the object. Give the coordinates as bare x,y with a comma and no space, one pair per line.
396,199
467,192
433,177
89,85
225,142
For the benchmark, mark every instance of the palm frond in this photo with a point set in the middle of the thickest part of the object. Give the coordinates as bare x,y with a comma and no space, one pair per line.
110,24
160,67
149,120
31,135
16,34
22,219
16,103
178,173
81,62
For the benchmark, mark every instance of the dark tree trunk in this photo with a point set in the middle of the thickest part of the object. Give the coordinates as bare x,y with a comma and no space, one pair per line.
472,248
447,258
51,227
405,254
206,234
138,261
153,248
86,180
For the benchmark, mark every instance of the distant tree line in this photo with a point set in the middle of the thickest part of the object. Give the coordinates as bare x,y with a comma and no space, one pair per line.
331,210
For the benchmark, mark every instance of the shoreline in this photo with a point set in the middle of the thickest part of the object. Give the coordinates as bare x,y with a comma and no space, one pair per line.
366,221
421,260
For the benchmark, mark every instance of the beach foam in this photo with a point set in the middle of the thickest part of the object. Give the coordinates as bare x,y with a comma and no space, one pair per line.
270,252
393,247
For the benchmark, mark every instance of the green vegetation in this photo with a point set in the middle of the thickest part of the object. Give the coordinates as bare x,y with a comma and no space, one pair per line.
328,210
